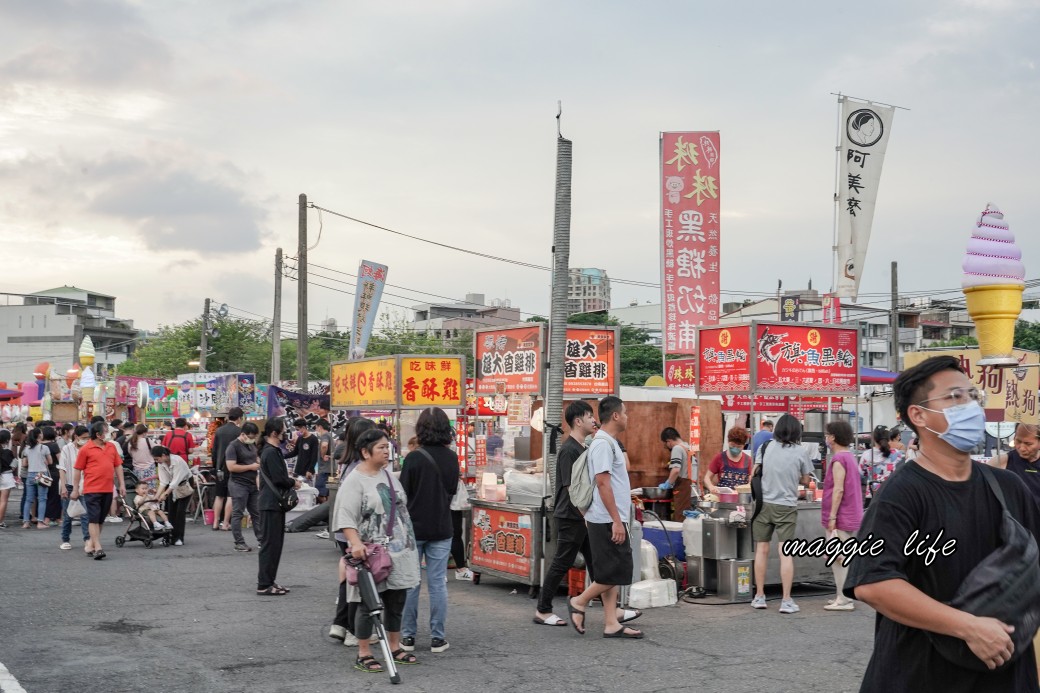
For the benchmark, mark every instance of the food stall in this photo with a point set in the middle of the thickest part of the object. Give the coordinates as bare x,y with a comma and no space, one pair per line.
777,359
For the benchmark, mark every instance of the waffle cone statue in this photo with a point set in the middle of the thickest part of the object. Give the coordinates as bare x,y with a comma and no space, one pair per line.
993,283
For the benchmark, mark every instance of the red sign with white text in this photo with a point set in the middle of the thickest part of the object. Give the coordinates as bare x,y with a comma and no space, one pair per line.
801,405
681,373
509,360
502,541
764,404
806,358
724,360
590,368
690,236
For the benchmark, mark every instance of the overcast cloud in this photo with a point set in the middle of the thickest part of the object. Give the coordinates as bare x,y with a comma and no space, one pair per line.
171,140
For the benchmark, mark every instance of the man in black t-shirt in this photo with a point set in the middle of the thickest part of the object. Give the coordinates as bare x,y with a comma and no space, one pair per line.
225,435
306,449
571,535
938,519
242,463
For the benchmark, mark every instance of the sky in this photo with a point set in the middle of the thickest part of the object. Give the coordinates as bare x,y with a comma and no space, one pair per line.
156,151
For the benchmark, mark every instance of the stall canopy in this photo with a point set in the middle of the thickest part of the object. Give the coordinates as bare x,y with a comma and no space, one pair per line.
10,394
874,376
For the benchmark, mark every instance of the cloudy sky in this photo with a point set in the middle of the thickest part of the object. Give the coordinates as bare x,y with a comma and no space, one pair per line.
155,151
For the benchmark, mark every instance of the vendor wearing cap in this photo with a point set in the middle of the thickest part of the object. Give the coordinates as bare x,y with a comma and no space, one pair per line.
680,472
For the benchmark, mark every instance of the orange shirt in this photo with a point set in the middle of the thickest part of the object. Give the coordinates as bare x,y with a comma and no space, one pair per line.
98,466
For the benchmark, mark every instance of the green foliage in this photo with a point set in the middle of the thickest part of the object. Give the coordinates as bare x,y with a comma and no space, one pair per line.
639,358
537,318
958,342
1027,335
243,345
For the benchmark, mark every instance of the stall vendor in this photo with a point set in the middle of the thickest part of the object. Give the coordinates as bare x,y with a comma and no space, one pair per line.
680,472
732,467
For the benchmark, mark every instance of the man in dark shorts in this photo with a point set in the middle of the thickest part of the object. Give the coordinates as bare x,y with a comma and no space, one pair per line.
96,464
607,521
225,435
941,491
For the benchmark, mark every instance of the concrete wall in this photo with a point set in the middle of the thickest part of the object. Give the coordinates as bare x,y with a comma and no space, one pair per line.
31,334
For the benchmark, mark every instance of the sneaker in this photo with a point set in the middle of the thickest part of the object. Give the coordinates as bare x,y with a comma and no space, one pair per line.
788,606
373,638
337,632
3,525
245,548
324,534
438,645
464,574
66,546
168,526
408,644
178,543
759,602
112,519
840,606
350,640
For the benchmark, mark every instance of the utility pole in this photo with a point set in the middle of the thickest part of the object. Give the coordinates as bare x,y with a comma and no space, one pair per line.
894,317
276,320
301,300
205,338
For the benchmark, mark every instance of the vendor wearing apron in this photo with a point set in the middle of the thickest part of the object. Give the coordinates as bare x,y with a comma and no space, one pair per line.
680,473
730,468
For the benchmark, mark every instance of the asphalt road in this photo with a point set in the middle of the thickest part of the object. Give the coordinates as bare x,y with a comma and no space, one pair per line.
173,619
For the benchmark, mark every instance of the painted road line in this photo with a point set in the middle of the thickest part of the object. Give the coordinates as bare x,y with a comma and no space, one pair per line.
8,683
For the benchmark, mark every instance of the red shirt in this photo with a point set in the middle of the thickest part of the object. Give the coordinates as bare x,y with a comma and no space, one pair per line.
98,465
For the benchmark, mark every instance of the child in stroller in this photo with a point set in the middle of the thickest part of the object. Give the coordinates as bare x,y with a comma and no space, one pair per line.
147,503
141,528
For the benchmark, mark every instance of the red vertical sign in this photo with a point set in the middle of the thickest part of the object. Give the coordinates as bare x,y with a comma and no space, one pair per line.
690,236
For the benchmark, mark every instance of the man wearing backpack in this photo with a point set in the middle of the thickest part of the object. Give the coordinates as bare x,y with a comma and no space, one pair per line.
607,520
571,535
179,441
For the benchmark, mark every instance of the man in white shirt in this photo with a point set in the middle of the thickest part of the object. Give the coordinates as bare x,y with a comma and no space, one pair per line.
607,521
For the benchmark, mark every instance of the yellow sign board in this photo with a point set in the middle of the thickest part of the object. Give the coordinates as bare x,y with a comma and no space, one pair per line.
364,383
1011,390
432,381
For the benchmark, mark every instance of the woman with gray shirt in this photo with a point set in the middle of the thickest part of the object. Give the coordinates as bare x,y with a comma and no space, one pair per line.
36,458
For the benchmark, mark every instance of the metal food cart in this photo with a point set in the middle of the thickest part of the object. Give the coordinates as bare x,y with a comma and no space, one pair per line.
508,542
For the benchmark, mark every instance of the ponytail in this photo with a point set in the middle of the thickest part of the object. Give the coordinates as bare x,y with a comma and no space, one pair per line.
34,437
882,439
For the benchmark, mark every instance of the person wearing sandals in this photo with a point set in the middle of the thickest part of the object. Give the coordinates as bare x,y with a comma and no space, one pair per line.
272,517
842,511
174,489
373,509
94,471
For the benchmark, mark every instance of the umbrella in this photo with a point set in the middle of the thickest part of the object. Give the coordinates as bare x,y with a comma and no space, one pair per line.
10,394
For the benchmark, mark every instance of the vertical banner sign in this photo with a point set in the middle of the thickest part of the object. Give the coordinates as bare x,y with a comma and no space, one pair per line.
865,130
831,309
370,281
690,185
802,358
790,309
724,360
695,431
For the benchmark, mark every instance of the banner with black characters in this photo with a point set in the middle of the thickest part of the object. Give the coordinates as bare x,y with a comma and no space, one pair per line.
865,130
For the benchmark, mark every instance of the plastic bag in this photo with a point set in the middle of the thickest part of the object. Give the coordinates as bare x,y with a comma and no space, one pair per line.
75,509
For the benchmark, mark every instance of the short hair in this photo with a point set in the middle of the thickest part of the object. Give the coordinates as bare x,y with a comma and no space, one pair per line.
98,430
914,384
250,428
608,406
117,423
368,440
300,423
160,451
577,409
670,434
5,436
128,426
355,427
80,430
181,422
141,483
49,433
738,435
324,423
767,424
842,432
433,428
788,431
96,419
274,425
234,413
65,428
1028,429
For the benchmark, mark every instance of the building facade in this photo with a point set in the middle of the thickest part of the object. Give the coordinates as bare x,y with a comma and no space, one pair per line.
448,320
50,326
588,290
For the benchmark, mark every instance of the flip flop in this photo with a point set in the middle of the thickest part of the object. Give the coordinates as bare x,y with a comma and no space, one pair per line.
98,555
620,633
571,610
285,590
629,615
553,620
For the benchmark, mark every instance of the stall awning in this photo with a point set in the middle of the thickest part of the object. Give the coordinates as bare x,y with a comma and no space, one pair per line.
10,394
875,376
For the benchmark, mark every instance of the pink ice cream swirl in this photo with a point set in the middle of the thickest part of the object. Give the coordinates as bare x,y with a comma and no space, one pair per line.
993,257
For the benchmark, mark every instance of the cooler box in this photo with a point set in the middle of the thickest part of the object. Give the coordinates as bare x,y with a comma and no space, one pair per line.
653,533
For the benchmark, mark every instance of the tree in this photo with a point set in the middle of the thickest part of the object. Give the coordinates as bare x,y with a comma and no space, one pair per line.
242,345
1027,335
958,342
639,358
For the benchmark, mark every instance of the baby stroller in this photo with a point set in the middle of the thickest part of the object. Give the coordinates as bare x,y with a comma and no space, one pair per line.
372,603
140,529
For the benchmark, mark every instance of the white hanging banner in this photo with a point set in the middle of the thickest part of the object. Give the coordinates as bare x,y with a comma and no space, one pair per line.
866,128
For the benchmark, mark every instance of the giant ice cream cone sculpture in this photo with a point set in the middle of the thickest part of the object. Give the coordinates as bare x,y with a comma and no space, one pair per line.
86,352
993,283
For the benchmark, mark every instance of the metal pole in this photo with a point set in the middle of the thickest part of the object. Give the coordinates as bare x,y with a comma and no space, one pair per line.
204,342
301,286
894,318
837,198
276,321
558,312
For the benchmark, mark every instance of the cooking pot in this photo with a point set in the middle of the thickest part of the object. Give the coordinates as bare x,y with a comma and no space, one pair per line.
729,497
656,493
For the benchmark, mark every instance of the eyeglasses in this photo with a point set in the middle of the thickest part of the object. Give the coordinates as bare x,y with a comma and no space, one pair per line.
959,395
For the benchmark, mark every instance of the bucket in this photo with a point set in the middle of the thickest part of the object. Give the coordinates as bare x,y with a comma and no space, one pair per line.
575,582
207,515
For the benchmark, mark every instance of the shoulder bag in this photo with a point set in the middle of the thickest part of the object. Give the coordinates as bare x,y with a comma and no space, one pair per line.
1004,586
287,499
377,558
756,480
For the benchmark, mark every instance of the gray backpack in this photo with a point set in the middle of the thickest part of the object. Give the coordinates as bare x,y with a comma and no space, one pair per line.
581,488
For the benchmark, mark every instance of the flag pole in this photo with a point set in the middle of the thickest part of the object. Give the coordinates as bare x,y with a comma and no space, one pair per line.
837,197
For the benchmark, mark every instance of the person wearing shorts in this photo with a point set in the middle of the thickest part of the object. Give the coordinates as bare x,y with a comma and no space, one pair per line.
95,469
785,464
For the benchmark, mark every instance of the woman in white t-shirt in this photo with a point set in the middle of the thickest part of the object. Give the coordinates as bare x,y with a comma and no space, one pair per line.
36,457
